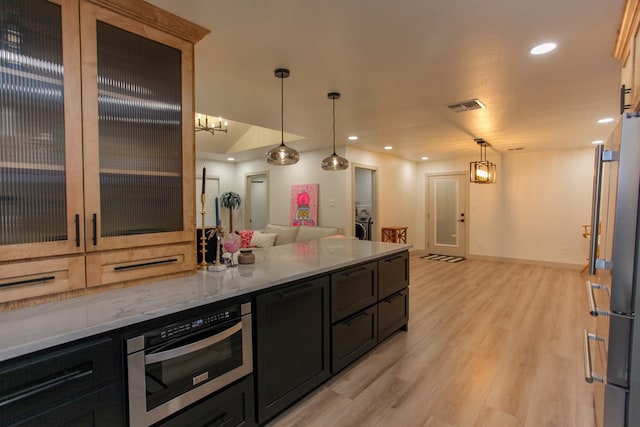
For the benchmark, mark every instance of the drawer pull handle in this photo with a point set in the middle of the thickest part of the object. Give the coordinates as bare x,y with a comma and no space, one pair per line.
145,264
355,318
357,270
77,221
44,386
27,281
394,258
393,298
298,290
594,310
589,376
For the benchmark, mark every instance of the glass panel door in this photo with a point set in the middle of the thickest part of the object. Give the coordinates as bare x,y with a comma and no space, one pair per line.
140,134
35,139
446,225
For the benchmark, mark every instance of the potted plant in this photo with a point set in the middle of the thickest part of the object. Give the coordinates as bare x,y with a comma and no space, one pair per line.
231,200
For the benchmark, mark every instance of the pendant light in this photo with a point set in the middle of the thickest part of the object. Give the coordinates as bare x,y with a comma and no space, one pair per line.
334,162
483,171
282,155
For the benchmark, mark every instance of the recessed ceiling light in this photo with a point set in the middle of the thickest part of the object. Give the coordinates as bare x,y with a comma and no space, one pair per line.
598,142
424,158
231,159
353,138
388,147
606,120
543,48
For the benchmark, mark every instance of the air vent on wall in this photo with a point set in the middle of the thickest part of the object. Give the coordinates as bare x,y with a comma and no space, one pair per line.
472,104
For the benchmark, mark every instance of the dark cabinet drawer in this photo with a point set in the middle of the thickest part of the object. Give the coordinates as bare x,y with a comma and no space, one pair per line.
292,350
43,382
232,406
393,313
393,274
352,290
353,337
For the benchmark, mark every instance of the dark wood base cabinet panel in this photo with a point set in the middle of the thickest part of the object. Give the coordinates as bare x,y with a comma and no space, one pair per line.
393,313
353,337
353,290
232,406
74,385
393,274
292,344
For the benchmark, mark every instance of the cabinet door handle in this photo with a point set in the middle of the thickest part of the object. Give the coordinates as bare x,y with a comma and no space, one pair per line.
94,219
144,264
24,282
394,258
299,289
77,220
44,386
355,318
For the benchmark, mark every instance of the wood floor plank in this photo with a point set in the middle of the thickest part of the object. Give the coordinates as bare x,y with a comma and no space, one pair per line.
489,344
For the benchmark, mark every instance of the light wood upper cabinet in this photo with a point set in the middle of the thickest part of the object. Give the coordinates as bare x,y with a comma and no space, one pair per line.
627,51
97,139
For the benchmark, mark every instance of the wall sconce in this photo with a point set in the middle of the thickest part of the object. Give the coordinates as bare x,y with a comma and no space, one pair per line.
482,171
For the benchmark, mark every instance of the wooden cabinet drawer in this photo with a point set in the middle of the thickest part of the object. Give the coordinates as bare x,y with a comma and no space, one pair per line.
393,313
352,290
37,384
139,263
393,274
353,337
232,406
37,278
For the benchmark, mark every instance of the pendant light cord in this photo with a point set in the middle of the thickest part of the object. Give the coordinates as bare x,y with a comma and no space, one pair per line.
334,126
282,108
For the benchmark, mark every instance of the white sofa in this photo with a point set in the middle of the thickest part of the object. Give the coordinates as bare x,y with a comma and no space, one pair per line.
285,234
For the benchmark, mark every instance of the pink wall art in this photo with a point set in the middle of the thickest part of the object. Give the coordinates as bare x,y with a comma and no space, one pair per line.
304,204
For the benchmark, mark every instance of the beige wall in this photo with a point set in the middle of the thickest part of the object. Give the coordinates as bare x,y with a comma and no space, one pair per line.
534,211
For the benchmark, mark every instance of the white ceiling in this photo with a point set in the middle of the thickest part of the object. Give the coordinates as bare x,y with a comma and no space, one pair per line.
398,64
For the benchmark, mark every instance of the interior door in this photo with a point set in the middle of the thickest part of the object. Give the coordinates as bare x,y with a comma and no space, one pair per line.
447,221
257,197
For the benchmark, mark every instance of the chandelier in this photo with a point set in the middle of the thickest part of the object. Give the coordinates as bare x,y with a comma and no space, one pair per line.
482,171
204,123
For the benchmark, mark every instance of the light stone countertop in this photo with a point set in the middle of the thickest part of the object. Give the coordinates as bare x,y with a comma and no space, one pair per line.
36,328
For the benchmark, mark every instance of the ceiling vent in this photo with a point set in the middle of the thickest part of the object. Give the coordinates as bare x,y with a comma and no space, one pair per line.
472,104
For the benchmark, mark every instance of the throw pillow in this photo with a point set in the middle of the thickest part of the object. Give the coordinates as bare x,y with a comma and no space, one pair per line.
262,240
245,238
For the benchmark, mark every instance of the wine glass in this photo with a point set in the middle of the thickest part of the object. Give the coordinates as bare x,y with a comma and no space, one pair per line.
231,244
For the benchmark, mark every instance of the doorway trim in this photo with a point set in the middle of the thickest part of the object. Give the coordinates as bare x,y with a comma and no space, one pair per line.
375,210
247,196
465,207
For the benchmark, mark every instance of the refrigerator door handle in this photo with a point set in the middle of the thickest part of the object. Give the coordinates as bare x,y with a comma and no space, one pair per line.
589,375
593,308
595,209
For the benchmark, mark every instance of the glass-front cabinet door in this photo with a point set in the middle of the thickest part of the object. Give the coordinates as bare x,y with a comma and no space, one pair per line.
136,150
41,191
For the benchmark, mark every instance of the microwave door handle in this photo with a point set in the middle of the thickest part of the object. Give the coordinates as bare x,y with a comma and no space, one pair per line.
193,347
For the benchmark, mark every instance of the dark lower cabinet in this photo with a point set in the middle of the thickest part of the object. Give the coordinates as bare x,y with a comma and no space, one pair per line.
393,274
292,344
353,337
74,385
393,314
353,289
232,406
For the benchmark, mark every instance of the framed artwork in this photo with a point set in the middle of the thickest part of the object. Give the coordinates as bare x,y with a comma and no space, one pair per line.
304,204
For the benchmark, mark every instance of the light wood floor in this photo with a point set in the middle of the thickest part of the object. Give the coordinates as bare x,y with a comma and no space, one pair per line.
489,344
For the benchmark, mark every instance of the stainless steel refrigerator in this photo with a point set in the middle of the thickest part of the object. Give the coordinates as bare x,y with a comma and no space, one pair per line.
612,351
